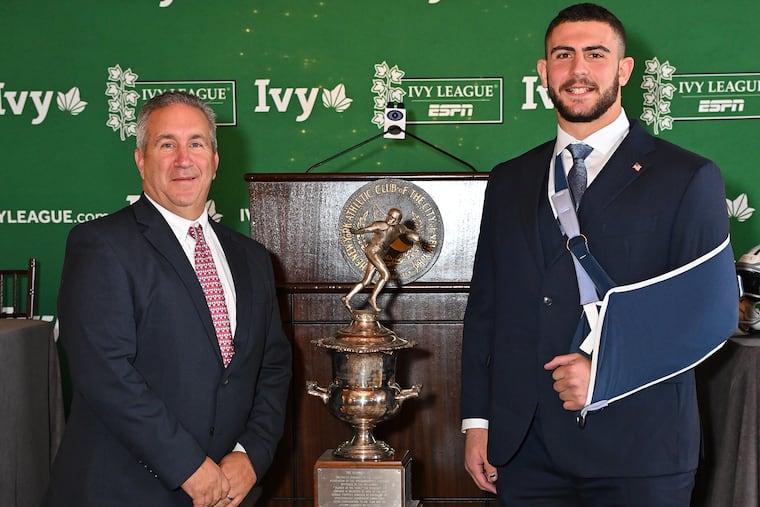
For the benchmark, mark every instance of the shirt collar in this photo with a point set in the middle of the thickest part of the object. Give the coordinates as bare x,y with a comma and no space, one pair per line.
178,224
603,141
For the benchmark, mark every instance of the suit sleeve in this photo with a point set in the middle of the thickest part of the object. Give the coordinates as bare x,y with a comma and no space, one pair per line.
478,321
701,222
98,330
267,418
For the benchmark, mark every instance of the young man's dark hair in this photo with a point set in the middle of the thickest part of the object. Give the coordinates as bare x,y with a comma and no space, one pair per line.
588,12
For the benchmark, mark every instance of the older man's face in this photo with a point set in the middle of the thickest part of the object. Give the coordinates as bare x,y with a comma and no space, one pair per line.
179,162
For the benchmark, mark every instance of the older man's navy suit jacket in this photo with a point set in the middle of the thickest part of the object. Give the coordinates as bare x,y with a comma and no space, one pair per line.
151,397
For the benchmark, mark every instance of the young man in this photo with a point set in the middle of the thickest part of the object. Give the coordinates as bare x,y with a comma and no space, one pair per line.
173,337
648,208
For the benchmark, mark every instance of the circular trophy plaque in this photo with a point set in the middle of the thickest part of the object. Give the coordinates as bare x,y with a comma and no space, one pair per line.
406,260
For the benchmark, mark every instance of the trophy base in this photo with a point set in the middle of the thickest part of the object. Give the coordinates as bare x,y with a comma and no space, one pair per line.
340,482
363,452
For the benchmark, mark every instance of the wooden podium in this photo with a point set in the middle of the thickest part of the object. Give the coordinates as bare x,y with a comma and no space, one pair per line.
298,218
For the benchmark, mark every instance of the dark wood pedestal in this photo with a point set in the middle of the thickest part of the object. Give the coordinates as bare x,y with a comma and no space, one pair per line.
297,218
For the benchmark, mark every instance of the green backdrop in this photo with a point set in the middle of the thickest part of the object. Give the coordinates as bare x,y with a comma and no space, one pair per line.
295,81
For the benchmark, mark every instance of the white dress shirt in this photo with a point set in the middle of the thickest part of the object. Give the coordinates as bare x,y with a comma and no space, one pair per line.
180,227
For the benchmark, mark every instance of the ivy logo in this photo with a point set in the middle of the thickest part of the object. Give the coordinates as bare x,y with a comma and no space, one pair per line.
386,86
336,98
126,95
71,102
284,99
122,101
659,91
739,208
20,102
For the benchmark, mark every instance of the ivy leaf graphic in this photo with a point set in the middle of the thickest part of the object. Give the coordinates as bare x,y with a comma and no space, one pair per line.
396,74
397,95
114,122
653,65
112,90
114,73
648,115
739,208
336,98
381,70
667,71
649,83
378,86
121,115
211,207
658,94
71,102
383,87
379,119
130,78
131,97
666,123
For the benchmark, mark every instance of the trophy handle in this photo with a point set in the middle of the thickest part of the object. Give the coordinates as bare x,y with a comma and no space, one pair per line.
405,394
313,389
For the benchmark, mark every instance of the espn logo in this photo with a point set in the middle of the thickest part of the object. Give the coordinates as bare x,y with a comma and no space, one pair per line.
721,105
443,110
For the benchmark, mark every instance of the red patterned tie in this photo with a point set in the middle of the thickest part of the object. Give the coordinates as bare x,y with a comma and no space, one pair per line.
212,289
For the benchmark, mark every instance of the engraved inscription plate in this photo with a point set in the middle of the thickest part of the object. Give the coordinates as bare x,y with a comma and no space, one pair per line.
378,483
355,487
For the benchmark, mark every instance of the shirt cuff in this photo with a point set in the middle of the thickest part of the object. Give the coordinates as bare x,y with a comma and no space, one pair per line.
472,423
239,448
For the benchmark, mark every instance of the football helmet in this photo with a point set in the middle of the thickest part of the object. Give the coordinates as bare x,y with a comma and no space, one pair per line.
749,315
748,270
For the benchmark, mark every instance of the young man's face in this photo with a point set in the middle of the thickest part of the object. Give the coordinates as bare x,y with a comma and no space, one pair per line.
583,72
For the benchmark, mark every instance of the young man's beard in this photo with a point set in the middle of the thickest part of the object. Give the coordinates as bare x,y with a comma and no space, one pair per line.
606,100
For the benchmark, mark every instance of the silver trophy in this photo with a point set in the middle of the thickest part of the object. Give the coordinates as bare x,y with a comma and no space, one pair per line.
364,391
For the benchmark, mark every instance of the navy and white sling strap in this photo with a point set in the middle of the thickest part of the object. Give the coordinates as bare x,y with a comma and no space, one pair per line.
637,336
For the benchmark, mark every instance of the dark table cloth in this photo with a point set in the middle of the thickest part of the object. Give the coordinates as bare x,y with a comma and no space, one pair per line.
729,397
31,410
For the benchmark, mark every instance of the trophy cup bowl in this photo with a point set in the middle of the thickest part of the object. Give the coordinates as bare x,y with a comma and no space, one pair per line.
363,391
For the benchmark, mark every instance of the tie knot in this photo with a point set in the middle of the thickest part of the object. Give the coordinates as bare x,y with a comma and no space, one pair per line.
579,150
196,232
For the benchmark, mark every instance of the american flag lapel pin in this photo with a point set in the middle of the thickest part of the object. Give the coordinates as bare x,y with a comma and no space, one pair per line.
636,167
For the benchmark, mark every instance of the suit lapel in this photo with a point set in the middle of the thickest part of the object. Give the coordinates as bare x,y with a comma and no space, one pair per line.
534,178
626,165
158,233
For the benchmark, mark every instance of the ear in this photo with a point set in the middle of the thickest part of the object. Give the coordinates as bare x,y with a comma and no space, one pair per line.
625,69
216,164
541,67
140,162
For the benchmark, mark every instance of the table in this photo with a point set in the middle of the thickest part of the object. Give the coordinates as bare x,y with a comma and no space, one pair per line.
31,410
728,384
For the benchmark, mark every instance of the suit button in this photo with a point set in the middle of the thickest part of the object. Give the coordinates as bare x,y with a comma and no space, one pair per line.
226,381
548,301
211,431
